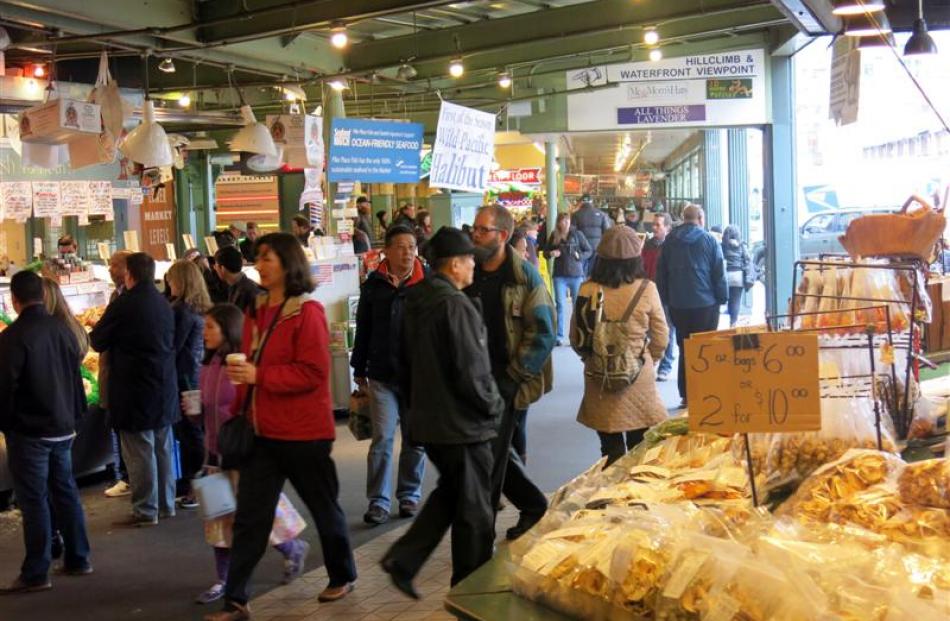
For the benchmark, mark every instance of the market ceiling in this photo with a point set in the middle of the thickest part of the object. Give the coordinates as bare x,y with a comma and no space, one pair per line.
258,44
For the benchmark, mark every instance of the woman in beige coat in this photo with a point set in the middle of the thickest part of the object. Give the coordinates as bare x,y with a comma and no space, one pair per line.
621,418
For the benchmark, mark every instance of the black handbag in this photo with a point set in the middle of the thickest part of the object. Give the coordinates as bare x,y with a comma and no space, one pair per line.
236,436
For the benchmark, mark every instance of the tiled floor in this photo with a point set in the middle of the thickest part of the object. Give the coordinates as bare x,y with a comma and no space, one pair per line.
374,599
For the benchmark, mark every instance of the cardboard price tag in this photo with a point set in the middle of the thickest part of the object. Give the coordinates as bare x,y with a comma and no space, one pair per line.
753,383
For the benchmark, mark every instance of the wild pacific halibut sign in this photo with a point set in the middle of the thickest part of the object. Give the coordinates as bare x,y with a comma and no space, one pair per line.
464,148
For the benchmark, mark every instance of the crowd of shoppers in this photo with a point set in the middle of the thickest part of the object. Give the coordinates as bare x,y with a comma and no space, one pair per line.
452,349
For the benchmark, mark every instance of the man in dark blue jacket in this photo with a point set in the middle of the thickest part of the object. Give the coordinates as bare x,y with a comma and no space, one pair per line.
375,362
41,399
691,279
138,331
593,223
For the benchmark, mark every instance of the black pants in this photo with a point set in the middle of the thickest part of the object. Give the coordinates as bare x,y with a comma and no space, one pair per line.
313,474
191,439
509,475
735,299
519,441
462,500
688,321
615,445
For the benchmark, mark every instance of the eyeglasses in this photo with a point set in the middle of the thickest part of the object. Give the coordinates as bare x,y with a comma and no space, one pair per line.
484,230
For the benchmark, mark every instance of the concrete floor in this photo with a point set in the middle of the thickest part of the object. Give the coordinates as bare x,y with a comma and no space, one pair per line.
153,574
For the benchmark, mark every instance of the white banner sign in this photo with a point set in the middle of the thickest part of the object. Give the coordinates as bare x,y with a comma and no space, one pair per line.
727,88
464,149
845,81
100,199
17,200
75,197
46,202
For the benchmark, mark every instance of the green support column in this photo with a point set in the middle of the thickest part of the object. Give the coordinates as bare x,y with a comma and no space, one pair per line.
779,213
739,181
550,178
289,188
713,177
333,107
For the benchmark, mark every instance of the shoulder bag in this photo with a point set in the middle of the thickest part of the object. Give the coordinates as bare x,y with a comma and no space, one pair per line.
236,436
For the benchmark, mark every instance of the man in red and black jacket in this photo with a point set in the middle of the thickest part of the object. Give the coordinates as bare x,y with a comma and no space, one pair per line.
662,224
375,364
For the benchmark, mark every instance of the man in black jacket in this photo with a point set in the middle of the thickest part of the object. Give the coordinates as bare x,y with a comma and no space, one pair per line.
454,408
374,361
593,223
242,291
138,331
247,244
41,398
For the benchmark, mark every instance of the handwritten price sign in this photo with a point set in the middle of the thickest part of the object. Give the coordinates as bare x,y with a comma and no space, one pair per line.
753,383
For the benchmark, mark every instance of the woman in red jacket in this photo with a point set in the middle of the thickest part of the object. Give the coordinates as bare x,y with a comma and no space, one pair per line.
292,416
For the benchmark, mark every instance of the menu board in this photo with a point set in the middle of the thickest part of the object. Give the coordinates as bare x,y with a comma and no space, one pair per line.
17,200
46,203
74,198
100,194
753,382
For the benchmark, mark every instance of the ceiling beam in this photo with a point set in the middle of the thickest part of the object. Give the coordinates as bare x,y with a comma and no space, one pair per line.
574,29
812,17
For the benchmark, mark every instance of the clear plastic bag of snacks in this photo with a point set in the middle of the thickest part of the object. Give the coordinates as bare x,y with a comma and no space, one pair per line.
926,483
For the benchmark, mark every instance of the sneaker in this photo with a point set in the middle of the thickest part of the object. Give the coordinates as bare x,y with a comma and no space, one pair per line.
83,570
376,516
332,594
662,376
525,523
293,566
121,488
187,502
213,594
408,508
21,586
136,521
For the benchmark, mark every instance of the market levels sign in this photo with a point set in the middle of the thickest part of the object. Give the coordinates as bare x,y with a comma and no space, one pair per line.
753,382
464,149
525,176
690,91
374,151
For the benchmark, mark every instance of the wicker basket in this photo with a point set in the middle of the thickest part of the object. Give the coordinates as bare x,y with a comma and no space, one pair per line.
905,233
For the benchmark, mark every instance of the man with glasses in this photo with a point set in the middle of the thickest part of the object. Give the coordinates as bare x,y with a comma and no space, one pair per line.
67,245
520,319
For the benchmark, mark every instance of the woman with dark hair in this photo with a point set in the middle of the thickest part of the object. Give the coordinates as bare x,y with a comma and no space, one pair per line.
222,336
570,250
619,291
738,261
284,389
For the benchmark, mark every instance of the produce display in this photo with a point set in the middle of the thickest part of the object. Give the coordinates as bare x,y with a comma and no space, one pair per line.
91,316
669,533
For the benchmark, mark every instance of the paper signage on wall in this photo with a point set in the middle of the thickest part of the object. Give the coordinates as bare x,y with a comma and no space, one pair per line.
100,193
845,81
753,382
464,149
301,136
525,176
374,151
17,200
46,199
725,88
75,198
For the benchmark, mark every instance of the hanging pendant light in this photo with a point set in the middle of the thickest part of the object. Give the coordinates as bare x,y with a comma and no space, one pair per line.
920,41
867,25
254,137
147,144
856,7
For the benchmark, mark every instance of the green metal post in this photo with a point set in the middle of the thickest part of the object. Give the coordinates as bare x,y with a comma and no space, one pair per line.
333,107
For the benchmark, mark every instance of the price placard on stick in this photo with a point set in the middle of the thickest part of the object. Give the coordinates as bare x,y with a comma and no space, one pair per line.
753,383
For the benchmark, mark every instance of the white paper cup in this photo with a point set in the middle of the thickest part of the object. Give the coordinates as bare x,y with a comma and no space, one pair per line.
235,359
191,400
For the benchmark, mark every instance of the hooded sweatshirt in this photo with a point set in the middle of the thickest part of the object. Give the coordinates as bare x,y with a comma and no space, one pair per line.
690,271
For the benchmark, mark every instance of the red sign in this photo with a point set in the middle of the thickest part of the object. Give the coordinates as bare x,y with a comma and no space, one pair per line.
527,176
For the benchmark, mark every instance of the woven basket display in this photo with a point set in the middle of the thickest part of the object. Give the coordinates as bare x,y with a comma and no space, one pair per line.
908,233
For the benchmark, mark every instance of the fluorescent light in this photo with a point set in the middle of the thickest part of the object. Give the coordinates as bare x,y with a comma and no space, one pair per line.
856,7
656,55
338,85
456,68
651,36
504,80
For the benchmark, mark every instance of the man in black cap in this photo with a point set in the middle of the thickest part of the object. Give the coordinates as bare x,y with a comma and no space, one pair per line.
454,408
592,222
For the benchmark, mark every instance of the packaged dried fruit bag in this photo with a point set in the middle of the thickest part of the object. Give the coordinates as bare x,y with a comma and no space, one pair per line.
926,483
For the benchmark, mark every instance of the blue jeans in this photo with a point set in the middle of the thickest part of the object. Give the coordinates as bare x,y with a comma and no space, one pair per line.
386,413
563,284
666,364
148,458
43,478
